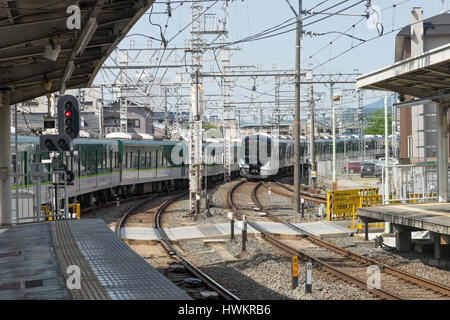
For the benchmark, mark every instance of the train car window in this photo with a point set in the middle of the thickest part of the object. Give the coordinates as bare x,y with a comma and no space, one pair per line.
158,159
150,163
164,158
85,163
130,158
164,152
88,163
136,159
82,162
94,162
246,149
110,160
100,160
159,155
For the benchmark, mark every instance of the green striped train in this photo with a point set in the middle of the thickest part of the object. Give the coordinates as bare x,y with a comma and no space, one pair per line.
105,168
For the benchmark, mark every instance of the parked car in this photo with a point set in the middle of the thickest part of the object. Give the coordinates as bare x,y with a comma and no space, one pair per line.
370,169
391,161
353,167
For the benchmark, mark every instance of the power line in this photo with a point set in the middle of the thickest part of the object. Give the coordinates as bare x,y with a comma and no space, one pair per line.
267,32
366,41
351,27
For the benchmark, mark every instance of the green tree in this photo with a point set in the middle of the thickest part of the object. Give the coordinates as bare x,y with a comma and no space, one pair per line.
376,123
209,125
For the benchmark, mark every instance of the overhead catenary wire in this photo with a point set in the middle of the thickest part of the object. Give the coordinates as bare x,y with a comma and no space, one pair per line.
266,33
366,41
320,65
352,27
270,34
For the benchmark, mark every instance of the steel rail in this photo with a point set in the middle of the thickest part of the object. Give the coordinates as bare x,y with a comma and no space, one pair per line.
379,292
128,213
306,195
414,279
173,252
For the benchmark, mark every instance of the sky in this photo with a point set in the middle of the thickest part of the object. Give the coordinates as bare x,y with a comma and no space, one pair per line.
248,17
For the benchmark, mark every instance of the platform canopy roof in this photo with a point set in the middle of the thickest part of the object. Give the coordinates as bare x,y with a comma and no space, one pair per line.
30,27
426,76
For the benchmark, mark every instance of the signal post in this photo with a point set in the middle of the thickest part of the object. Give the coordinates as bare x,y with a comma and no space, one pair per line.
195,141
68,111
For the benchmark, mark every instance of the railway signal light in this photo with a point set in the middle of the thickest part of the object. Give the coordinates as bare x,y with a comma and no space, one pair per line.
70,176
69,116
55,142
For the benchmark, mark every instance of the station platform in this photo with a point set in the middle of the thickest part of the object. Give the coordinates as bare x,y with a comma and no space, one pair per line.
433,217
406,218
35,260
223,230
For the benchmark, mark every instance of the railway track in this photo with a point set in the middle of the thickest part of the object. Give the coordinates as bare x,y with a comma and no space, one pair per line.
289,192
351,267
179,275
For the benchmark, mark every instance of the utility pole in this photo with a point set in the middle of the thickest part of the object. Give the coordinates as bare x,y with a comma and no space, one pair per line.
362,145
195,140
386,150
166,132
277,119
297,111
394,142
261,119
178,115
100,114
227,115
386,162
123,110
195,114
313,173
238,113
333,117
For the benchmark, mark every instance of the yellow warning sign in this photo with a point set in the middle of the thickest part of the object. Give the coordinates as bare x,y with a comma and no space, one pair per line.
295,266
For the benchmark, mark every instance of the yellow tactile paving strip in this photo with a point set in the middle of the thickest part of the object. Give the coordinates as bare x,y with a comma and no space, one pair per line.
68,254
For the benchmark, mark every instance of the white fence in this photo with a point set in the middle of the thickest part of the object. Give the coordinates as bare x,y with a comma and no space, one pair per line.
411,183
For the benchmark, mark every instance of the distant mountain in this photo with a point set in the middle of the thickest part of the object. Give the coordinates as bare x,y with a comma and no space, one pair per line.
377,105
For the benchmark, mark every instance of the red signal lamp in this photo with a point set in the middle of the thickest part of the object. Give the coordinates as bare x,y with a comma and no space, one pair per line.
68,113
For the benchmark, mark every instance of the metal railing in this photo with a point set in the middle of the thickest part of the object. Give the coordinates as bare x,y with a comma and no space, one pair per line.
412,183
32,200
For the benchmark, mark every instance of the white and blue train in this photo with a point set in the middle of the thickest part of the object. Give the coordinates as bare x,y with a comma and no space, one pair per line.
264,157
